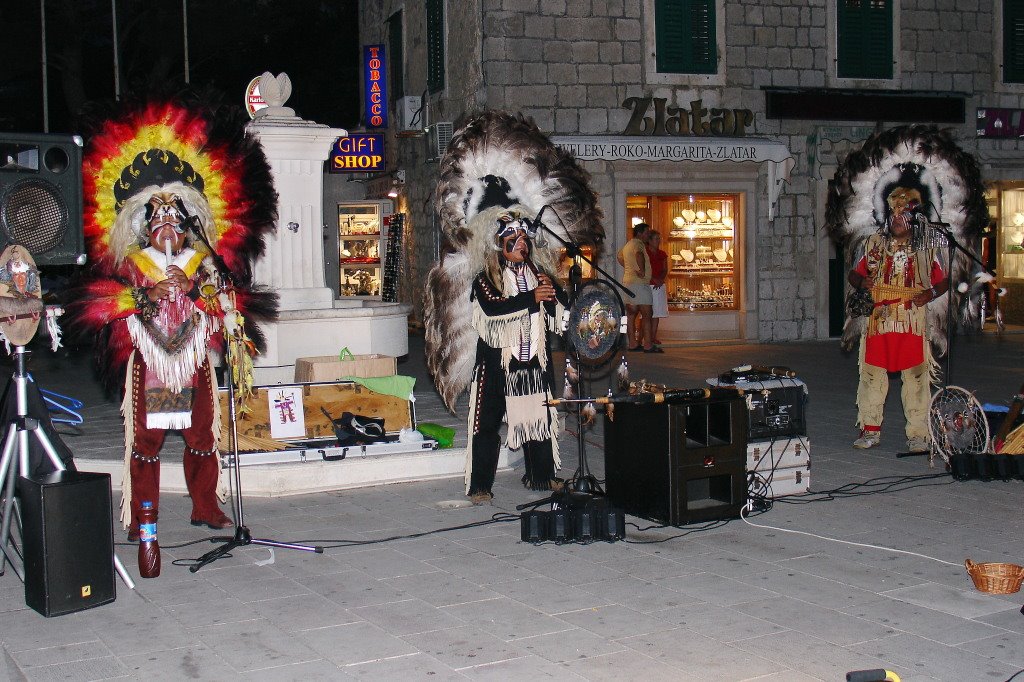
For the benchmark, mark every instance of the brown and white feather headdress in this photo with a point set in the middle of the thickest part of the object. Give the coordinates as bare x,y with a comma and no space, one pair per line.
949,182
495,160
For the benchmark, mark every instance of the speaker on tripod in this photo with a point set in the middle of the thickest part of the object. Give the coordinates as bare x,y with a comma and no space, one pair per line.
41,196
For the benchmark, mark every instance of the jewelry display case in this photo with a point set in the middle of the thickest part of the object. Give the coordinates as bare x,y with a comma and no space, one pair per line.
699,234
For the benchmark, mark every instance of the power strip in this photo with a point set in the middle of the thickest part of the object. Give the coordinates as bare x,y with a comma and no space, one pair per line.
584,523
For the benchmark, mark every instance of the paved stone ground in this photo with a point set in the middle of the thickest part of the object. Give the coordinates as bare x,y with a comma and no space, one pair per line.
725,601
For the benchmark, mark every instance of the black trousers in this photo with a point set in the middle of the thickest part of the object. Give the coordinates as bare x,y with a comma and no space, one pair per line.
489,414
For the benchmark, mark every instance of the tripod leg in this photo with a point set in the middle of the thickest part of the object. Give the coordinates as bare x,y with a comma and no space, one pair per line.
8,473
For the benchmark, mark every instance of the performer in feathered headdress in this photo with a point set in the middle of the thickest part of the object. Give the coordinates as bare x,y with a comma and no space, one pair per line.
486,316
886,196
177,200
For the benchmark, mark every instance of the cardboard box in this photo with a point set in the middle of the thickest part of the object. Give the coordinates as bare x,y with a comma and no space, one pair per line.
782,453
330,368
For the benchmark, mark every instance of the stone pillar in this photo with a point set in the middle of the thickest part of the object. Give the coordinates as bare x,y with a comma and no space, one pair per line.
293,264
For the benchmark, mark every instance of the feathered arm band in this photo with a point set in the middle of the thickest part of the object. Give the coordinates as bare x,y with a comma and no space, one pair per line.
101,301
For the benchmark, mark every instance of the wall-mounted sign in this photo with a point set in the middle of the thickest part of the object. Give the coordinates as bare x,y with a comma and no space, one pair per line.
374,86
358,153
253,100
1000,122
697,120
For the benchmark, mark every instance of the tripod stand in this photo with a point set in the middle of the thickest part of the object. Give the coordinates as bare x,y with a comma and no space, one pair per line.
242,536
18,437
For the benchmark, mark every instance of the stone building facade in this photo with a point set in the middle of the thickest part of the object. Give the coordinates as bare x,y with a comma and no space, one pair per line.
582,69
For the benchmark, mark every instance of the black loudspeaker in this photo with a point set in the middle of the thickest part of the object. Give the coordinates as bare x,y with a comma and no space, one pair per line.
677,462
68,541
41,196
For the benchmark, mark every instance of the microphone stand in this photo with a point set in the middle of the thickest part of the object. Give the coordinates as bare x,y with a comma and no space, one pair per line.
954,246
242,536
583,482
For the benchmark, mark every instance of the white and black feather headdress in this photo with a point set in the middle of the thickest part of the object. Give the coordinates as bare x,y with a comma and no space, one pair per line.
928,160
495,159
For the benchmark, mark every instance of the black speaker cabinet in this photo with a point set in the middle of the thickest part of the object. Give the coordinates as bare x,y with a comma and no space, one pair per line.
41,196
68,541
677,462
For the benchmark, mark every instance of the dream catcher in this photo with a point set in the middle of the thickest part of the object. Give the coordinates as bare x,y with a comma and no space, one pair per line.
957,424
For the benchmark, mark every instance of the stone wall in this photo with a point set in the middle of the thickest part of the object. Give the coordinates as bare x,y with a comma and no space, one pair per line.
570,64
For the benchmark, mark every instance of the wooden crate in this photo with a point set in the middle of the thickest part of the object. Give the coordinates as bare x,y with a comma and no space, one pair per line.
336,398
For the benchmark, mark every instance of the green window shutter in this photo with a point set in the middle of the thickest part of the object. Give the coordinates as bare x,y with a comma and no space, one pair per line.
435,45
864,38
685,34
1013,41
396,56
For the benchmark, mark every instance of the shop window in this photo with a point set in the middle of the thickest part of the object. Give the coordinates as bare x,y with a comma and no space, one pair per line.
396,54
1013,41
685,36
435,45
864,39
1010,236
700,234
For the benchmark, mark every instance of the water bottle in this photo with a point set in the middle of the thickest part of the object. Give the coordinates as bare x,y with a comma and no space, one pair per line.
149,549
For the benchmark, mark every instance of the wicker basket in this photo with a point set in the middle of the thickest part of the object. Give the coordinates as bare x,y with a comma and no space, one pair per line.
995,578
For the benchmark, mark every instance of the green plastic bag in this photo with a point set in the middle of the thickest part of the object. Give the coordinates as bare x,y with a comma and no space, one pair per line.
442,434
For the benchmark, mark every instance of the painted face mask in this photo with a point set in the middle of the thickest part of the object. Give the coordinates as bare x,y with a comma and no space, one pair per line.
162,211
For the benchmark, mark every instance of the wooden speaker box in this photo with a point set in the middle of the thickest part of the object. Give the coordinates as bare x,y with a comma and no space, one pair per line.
677,462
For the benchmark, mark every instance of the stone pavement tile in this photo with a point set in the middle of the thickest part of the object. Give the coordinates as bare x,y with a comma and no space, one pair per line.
296,563
305,671
724,623
725,563
271,588
178,587
790,676
812,656
213,612
814,619
506,619
352,589
569,645
615,621
196,662
548,595
303,612
90,669
716,589
464,646
24,630
908,652
966,603
639,595
483,569
407,617
522,668
698,657
1007,647
810,588
569,569
142,630
431,547
357,642
385,562
762,544
254,644
619,665
497,545
64,653
646,567
1010,619
923,622
850,573
411,666
440,588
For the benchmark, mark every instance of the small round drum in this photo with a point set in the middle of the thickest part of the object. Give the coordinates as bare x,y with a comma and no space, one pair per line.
594,322
21,303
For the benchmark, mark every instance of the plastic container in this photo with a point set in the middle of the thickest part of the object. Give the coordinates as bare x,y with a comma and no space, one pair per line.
149,548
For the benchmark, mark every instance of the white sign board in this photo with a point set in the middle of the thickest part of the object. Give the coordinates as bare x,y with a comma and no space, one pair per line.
285,409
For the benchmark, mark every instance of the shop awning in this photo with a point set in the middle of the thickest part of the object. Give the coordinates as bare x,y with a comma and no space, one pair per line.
736,149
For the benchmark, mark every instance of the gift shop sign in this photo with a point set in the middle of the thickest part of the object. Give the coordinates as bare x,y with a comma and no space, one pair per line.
654,116
358,153
374,86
